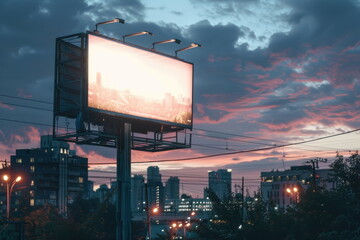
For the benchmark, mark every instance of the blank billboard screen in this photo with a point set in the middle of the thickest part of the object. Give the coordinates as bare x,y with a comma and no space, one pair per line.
130,81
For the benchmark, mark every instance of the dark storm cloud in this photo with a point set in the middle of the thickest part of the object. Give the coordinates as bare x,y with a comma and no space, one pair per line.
318,24
28,30
130,10
285,78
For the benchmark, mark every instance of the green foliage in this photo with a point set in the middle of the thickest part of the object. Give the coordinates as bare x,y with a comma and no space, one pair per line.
226,221
88,220
347,170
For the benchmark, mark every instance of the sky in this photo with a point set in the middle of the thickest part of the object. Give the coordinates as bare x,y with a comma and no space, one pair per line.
269,74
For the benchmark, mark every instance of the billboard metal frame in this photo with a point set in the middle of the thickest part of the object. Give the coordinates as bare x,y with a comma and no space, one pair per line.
74,121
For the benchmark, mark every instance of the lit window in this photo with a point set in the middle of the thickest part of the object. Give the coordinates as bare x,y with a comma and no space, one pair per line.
32,169
61,150
81,179
32,159
18,160
32,183
32,202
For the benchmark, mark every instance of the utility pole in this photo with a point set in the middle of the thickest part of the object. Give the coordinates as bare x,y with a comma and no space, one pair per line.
315,164
243,200
147,211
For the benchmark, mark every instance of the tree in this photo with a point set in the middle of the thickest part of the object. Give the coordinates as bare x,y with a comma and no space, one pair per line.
226,219
347,170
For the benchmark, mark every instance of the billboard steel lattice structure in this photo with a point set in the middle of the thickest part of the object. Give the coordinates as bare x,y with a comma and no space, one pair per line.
102,83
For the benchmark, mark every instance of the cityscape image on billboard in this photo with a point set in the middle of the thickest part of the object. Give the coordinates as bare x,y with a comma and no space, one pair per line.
131,81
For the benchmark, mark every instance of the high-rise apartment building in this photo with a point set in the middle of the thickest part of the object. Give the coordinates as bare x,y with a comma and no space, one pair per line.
220,182
52,174
172,187
155,187
138,193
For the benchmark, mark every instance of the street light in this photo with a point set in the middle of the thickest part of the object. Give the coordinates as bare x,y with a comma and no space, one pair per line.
175,40
136,34
115,20
154,210
9,188
293,191
193,45
174,226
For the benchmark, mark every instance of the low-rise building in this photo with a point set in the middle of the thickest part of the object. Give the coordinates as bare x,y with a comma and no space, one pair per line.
283,188
188,205
52,174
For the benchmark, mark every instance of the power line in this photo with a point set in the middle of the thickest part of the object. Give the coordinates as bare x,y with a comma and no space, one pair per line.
19,105
231,139
27,99
238,152
236,135
212,147
26,122
200,157
182,176
198,129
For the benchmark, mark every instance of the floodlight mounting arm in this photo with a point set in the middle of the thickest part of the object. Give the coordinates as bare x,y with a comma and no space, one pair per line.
192,45
175,40
137,34
115,20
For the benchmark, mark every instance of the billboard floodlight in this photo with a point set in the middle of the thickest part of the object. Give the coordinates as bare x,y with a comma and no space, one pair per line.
137,34
115,20
192,45
175,40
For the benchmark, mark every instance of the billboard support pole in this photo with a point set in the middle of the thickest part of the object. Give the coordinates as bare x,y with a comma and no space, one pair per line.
123,177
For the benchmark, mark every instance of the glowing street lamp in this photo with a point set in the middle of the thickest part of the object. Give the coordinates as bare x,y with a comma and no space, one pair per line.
136,34
175,40
293,191
193,45
115,20
9,188
154,211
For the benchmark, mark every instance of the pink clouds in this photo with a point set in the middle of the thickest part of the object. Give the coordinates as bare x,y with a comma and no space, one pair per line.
303,92
336,114
30,139
285,127
22,93
208,120
264,86
213,59
3,105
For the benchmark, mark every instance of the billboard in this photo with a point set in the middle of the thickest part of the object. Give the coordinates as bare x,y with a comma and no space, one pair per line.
138,83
